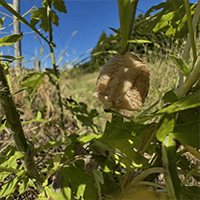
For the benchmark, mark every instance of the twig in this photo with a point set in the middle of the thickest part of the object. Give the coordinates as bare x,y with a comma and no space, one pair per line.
51,46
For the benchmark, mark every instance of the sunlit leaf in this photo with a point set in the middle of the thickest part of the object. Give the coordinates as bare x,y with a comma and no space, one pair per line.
10,39
9,188
10,58
40,14
81,183
1,22
59,5
165,126
180,64
25,183
190,101
54,17
139,41
124,137
32,81
170,15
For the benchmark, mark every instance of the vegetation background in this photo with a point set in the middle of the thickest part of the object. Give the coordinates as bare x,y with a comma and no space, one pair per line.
81,152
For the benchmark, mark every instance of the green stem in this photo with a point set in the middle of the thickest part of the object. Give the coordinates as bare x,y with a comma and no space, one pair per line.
51,46
191,31
186,52
142,176
169,164
192,78
16,130
192,150
152,184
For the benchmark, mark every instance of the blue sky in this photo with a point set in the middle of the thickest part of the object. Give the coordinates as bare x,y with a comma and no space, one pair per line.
87,19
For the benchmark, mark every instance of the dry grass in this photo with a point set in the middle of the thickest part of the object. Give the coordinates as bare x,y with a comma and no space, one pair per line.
163,77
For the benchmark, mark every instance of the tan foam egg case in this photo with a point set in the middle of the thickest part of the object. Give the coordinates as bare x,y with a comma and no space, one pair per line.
123,82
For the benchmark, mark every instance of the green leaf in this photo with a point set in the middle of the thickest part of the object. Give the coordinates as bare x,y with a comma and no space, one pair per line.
126,11
9,188
81,183
188,133
66,194
1,21
165,126
124,137
10,160
59,5
169,162
139,41
169,97
190,115
180,64
170,15
190,101
63,141
40,14
11,10
25,182
98,177
87,138
32,81
10,39
8,169
10,58
105,52
114,30
54,18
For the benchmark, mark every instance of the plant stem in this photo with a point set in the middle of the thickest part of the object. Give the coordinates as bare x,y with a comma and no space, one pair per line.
186,52
16,130
191,31
170,171
152,184
51,46
191,80
192,150
142,176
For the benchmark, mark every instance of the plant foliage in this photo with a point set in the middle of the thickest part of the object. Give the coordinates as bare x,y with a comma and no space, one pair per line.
97,165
